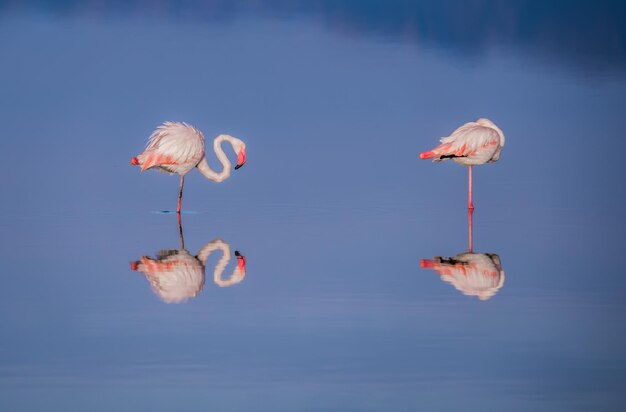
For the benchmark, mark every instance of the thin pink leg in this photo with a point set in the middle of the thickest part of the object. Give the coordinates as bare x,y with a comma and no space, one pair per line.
470,204
180,232
470,226
180,193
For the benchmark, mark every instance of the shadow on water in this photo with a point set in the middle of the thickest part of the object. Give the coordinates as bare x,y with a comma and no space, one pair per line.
173,212
471,273
177,275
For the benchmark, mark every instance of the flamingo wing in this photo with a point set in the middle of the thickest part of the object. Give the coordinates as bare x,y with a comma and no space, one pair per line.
465,141
173,144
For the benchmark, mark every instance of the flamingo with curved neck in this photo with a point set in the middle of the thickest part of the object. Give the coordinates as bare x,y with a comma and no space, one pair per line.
179,147
177,275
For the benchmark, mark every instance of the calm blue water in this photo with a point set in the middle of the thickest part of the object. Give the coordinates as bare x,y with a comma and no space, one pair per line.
333,211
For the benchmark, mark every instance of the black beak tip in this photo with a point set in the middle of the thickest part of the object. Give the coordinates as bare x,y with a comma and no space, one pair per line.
237,253
238,166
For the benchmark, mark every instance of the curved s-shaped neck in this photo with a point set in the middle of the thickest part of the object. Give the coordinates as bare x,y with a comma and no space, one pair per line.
237,275
206,170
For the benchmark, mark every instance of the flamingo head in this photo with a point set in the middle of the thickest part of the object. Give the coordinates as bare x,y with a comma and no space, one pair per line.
485,122
240,149
488,123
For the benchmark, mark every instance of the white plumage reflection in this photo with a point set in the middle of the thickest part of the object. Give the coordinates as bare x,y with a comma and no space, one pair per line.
473,274
177,275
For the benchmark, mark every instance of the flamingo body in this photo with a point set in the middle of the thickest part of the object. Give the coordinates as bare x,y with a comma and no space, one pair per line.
176,275
179,147
473,274
474,143
173,148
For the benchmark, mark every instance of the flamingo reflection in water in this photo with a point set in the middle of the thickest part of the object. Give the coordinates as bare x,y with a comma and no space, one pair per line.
473,274
177,275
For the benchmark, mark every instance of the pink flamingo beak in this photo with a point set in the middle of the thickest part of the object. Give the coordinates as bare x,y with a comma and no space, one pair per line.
241,261
241,158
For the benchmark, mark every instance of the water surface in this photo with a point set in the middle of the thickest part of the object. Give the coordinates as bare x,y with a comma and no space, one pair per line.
333,211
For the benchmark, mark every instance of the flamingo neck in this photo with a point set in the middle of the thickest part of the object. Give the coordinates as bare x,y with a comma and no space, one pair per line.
205,169
218,244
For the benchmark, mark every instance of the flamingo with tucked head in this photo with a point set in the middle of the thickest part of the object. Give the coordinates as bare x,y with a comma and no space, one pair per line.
474,143
474,274
178,148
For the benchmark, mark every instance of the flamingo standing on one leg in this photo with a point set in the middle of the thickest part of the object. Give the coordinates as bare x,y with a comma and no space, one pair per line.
474,143
474,274
178,147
